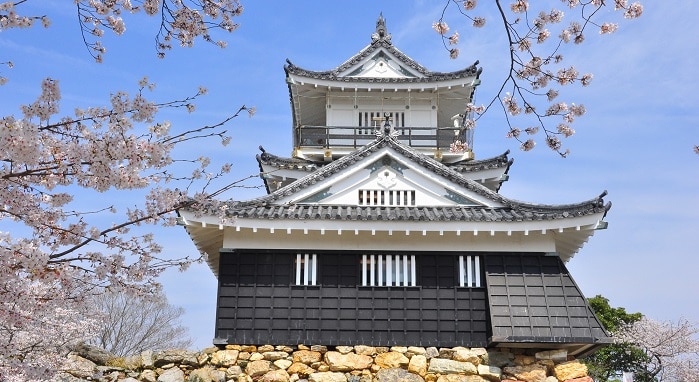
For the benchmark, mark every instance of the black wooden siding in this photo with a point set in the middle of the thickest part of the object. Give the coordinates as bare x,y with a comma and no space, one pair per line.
533,298
258,303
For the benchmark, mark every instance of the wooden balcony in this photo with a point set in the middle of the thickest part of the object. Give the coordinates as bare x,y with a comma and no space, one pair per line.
347,138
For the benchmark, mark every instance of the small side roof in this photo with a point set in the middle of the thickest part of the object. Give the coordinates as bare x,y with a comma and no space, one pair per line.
281,171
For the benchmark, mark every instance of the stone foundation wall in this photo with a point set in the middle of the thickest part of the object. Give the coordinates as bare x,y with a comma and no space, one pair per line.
240,363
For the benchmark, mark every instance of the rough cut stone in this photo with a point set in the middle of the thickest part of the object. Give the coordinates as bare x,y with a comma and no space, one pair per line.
93,353
344,349
282,363
233,372
446,353
364,350
207,374
448,366
148,376
147,359
306,356
256,357
391,359
524,360
529,373
431,352
418,365
397,375
399,349
499,359
257,368
275,376
416,350
244,355
172,375
320,348
466,355
265,348
570,370
80,367
492,373
274,355
347,362
184,357
224,358
327,376
558,355
461,378
301,369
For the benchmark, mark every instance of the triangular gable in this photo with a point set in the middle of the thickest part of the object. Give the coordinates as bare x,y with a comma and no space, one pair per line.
387,173
379,63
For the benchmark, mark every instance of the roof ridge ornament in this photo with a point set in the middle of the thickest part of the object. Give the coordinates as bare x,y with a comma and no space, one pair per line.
381,32
387,131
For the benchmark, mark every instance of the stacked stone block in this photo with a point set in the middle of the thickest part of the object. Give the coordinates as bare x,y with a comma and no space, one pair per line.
241,363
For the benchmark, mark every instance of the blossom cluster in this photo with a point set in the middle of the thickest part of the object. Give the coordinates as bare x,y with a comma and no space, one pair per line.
538,36
52,252
672,347
183,21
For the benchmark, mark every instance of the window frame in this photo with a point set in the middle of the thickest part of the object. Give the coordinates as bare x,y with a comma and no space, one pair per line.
306,269
388,270
469,275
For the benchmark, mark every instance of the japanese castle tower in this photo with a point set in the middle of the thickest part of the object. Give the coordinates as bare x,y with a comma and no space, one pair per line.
382,229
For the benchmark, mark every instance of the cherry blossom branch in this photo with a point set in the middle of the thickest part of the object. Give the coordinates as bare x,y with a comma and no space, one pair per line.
535,62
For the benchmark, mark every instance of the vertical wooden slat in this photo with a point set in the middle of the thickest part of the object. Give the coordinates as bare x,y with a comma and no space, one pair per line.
298,269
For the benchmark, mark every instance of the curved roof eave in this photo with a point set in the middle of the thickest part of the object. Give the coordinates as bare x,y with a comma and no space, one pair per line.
295,74
525,211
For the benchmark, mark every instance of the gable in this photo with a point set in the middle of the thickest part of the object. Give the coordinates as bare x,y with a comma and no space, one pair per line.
389,178
380,64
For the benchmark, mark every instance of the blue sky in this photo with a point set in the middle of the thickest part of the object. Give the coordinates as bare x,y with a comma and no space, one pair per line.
635,140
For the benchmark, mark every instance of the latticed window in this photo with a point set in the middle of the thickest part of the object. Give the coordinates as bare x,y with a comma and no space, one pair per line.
470,271
367,197
306,268
388,270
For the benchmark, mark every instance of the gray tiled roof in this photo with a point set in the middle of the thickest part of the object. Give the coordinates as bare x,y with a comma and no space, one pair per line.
385,43
289,163
268,207
521,212
266,158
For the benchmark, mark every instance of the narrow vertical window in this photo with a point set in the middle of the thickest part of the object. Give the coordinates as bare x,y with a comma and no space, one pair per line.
469,271
306,266
388,270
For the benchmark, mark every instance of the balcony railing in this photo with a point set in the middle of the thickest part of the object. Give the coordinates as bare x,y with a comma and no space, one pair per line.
333,137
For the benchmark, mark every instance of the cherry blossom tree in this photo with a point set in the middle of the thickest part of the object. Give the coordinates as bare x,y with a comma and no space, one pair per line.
55,253
538,33
672,348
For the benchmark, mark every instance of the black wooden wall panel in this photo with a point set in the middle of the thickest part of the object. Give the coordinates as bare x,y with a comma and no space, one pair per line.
258,304
534,298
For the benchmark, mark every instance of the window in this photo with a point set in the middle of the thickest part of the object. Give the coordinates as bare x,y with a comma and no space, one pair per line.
306,269
367,197
388,270
470,271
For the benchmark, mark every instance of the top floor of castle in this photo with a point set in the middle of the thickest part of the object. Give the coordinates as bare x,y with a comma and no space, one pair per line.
340,110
